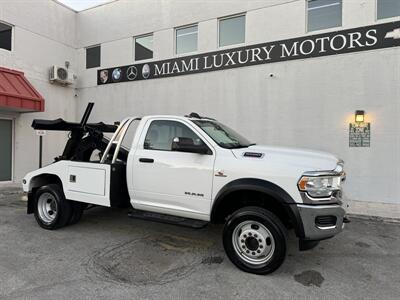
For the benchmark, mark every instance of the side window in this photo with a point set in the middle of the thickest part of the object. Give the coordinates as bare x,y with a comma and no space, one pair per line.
161,134
5,36
232,30
324,14
130,134
186,39
143,47
388,8
93,57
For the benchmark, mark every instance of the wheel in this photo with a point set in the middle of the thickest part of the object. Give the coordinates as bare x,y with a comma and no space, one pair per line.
77,212
52,211
255,240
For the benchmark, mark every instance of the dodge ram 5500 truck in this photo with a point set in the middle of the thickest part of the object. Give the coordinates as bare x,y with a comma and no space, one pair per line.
193,170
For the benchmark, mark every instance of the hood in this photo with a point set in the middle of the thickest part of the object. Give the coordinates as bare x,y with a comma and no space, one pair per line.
309,160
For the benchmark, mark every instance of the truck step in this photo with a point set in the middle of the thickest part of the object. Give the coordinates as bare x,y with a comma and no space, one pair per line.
162,218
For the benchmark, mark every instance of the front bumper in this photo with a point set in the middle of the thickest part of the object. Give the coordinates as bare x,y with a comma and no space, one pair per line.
321,221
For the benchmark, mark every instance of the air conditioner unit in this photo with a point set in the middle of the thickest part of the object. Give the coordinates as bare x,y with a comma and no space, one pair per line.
61,75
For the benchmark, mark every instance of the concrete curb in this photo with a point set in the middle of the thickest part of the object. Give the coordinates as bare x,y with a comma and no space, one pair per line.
374,218
373,209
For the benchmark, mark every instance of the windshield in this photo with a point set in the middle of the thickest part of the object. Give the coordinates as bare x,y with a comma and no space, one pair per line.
223,135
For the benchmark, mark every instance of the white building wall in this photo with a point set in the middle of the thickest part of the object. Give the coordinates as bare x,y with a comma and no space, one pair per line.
43,35
307,103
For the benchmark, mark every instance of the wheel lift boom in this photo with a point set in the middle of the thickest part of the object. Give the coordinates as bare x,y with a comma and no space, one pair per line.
84,137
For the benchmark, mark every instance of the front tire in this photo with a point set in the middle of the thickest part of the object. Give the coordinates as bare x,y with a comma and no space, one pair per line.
52,210
255,240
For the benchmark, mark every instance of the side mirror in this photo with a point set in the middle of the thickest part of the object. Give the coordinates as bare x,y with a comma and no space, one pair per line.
183,144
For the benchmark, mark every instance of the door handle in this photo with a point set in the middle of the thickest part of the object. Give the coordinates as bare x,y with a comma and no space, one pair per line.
146,160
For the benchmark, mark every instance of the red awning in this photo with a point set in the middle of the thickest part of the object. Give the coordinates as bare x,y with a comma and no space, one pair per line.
17,94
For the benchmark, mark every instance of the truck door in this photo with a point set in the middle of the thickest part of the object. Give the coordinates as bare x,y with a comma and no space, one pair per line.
167,181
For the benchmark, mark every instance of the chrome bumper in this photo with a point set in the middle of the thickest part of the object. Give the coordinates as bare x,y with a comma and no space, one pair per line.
321,221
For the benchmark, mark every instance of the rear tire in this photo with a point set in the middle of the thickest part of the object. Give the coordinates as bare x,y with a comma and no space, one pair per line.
255,240
52,210
77,212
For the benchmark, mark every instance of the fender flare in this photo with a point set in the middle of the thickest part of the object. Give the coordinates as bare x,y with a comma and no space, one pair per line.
40,180
267,188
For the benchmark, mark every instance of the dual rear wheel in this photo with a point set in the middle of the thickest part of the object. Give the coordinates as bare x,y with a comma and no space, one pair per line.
52,210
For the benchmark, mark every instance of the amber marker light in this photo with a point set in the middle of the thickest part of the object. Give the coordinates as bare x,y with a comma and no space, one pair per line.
302,183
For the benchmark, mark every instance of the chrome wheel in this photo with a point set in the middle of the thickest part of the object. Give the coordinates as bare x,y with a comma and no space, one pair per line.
253,242
47,208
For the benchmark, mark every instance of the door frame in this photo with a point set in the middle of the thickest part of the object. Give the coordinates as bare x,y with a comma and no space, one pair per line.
138,145
12,119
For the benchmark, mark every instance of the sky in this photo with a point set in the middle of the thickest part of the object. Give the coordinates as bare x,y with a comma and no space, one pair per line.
79,5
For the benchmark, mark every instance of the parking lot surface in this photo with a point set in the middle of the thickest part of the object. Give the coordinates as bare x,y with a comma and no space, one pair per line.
107,255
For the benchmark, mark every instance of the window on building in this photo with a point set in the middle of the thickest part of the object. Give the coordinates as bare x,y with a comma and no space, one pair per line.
186,39
232,30
161,134
5,36
144,47
323,14
93,57
388,8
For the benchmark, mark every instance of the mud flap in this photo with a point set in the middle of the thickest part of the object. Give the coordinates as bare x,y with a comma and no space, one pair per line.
31,203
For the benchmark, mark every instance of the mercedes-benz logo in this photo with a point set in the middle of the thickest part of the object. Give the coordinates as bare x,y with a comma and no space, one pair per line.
131,73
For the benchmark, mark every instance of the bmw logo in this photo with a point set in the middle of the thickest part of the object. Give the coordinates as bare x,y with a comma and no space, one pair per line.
116,74
146,71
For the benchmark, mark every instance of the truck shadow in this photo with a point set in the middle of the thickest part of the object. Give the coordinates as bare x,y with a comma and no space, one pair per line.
141,252
158,253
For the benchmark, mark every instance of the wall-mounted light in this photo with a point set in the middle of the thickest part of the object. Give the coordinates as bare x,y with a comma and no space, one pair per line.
359,131
359,116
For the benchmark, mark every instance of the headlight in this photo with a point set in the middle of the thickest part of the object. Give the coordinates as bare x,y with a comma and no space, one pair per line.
320,186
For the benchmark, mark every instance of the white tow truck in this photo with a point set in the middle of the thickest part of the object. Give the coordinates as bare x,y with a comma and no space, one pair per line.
193,170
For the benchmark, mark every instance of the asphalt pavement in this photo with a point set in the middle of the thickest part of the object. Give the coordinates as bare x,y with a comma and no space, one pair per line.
108,255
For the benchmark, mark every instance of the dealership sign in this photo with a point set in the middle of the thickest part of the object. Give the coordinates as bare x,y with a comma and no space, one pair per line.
338,42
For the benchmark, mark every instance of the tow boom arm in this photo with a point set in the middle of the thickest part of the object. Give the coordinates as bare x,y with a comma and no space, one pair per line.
84,137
